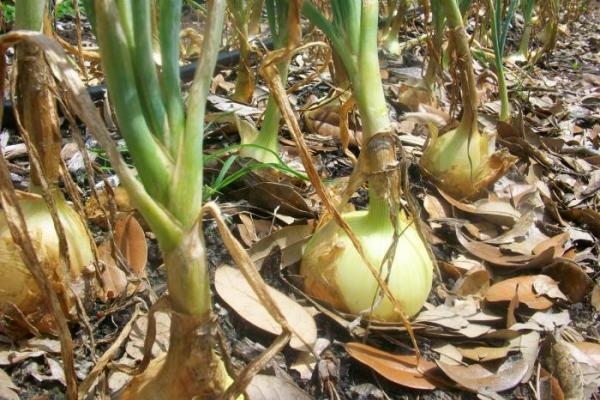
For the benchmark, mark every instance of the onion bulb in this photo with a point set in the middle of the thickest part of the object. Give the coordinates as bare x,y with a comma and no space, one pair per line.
334,272
17,285
461,166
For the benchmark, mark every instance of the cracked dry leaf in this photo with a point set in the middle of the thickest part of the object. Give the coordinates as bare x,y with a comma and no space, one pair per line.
401,369
233,288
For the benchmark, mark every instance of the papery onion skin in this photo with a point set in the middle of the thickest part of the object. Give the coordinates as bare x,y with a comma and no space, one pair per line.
334,272
17,286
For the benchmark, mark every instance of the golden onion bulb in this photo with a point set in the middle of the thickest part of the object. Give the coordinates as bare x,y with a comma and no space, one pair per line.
17,285
463,167
334,272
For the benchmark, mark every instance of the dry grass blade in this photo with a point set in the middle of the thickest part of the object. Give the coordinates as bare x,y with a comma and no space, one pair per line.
108,356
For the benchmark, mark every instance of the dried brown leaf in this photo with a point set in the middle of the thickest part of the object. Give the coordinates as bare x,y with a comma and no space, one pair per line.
131,241
474,282
505,290
289,239
495,256
571,278
595,300
401,369
233,288
266,387
476,377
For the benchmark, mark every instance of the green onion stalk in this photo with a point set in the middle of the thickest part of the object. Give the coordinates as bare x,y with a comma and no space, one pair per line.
331,266
265,144
462,161
522,53
396,14
245,81
438,22
549,19
499,27
165,141
37,110
254,18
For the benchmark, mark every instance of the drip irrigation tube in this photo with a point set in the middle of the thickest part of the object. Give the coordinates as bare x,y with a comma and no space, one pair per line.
186,72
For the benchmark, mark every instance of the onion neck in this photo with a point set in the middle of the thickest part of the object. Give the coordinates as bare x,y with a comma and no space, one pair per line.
378,214
464,59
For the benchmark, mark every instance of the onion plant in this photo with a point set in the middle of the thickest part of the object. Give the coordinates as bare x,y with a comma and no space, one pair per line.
244,84
51,226
265,144
165,142
331,266
549,17
522,53
501,18
396,14
462,160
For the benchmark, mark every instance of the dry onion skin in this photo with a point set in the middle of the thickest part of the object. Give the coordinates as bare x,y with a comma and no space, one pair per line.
17,285
335,274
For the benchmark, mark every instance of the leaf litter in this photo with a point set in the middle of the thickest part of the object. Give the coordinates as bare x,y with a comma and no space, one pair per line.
519,266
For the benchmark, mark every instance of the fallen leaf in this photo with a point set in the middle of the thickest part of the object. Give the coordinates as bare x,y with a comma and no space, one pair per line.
550,387
476,377
484,353
498,212
595,300
306,360
267,387
237,293
8,390
135,345
504,291
290,240
449,354
572,280
474,282
495,256
592,350
562,364
131,241
551,321
114,280
401,369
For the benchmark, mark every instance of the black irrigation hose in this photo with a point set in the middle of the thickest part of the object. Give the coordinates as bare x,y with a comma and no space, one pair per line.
186,73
